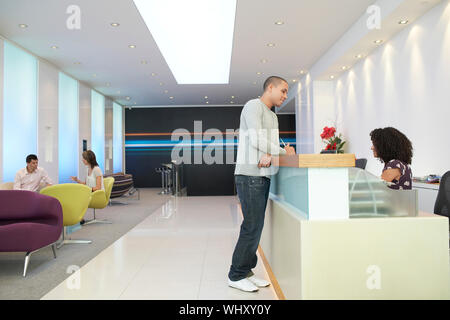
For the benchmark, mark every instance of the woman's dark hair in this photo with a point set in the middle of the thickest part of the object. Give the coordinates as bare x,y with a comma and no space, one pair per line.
391,144
89,156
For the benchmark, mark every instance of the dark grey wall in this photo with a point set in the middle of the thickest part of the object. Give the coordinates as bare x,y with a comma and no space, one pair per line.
152,128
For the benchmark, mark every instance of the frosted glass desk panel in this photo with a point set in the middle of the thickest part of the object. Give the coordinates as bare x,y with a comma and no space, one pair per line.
368,195
371,197
290,185
313,193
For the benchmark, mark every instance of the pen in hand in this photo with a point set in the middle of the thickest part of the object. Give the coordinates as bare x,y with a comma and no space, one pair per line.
289,149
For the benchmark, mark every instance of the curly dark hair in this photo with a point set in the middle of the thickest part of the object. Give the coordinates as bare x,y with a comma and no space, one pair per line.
391,144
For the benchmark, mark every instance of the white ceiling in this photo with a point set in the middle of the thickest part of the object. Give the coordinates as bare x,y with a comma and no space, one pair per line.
310,28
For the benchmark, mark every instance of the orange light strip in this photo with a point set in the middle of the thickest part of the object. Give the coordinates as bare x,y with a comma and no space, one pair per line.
190,133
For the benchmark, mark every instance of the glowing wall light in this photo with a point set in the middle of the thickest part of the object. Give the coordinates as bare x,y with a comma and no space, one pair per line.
19,109
67,128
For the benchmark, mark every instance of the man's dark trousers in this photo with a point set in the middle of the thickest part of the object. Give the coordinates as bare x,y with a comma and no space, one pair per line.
253,193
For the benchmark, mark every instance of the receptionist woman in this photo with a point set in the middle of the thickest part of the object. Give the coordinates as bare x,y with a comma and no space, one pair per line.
395,150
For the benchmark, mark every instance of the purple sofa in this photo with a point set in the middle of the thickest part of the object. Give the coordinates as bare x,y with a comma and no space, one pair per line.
29,221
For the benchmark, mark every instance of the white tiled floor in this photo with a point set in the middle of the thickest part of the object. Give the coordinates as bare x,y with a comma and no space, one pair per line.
181,251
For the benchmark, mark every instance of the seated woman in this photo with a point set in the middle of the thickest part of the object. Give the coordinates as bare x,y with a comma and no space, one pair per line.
394,149
94,177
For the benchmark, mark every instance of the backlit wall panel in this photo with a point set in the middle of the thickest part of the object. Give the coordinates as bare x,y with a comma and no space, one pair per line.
19,109
67,128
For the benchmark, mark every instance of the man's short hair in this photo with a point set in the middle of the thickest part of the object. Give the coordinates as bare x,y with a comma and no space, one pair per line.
31,157
275,80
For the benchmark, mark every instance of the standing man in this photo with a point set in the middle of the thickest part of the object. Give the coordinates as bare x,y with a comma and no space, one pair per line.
258,142
31,177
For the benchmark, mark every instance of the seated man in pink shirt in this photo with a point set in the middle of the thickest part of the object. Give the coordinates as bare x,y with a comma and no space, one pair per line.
31,177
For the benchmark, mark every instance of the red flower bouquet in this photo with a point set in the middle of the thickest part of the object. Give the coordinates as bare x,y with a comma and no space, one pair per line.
333,142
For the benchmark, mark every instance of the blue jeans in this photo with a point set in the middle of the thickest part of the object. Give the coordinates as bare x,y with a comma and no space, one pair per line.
253,193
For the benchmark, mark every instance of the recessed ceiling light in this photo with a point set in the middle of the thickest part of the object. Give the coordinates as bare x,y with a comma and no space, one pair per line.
259,96
206,97
259,73
128,98
170,98
22,25
115,24
192,24
166,91
207,102
271,44
132,46
331,77
232,97
144,62
294,80
263,61
279,23
254,82
153,74
231,102
302,71
359,56
161,83
344,67
378,41
54,47
403,22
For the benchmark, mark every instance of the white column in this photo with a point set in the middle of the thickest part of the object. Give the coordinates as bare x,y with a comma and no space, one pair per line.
84,125
47,137
108,136
324,111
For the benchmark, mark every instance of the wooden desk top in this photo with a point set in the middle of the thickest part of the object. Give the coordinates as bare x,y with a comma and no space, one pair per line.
317,160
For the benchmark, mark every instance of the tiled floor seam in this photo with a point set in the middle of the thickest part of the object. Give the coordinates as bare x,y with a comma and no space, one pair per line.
144,261
203,267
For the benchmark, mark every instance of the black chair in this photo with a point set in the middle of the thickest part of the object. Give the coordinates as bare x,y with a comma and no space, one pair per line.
361,163
442,205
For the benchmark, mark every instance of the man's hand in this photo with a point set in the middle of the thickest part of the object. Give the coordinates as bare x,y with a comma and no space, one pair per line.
265,161
289,150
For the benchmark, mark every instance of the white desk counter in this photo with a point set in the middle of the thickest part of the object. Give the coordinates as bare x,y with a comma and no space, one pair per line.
366,245
427,194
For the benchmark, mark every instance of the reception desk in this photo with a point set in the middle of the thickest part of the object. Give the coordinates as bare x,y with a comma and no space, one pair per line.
333,231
